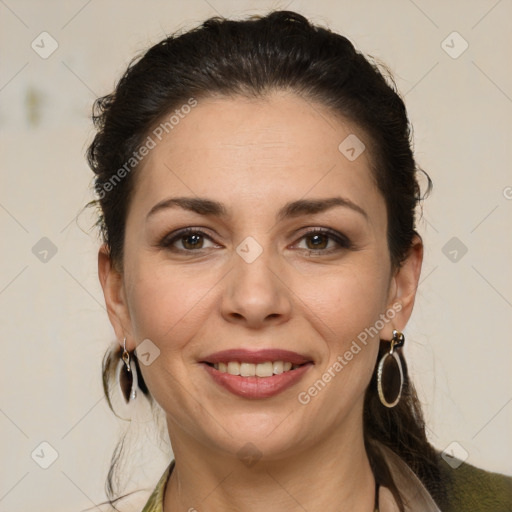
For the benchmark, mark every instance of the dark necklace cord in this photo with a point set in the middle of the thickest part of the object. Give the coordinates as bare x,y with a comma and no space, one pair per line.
376,505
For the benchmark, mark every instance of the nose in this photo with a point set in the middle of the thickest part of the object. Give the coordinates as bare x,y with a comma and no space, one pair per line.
256,293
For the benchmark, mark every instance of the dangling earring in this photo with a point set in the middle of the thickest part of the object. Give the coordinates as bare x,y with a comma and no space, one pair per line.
390,375
126,376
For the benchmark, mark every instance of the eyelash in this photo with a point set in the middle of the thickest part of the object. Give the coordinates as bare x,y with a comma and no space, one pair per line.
342,241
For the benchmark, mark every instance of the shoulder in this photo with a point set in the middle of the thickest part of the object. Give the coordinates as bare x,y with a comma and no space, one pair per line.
476,490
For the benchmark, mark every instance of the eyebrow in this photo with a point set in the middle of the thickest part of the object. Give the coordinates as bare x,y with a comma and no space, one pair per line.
204,206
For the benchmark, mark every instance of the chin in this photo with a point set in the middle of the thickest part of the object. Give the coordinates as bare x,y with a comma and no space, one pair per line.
262,436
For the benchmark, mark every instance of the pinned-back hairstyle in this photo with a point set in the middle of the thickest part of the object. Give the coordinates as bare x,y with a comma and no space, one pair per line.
252,57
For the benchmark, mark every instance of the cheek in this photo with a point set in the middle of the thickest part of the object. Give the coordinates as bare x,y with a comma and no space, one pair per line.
345,307
348,300
167,304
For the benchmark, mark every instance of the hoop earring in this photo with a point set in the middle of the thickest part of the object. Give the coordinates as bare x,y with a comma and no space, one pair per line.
126,376
390,375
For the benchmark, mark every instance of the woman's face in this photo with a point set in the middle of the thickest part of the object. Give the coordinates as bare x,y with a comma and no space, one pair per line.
252,275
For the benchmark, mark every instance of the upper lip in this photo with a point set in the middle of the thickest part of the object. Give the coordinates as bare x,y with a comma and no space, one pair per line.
256,356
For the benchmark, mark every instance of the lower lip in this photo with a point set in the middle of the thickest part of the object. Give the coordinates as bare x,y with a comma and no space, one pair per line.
257,387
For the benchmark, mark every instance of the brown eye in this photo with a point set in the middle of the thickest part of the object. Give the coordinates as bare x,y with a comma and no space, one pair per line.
318,241
191,240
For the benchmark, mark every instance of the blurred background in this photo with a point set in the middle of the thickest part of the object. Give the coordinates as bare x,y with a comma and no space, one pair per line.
450,61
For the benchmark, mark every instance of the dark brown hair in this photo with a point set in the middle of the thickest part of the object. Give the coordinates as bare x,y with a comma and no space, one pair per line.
252,57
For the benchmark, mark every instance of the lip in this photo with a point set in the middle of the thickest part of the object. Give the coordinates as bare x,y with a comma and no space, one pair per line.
256,356
257,387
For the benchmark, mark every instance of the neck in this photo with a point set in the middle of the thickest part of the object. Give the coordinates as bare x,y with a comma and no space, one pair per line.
334,474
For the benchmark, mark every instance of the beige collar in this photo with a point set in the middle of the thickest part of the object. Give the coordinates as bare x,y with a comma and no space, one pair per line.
415,496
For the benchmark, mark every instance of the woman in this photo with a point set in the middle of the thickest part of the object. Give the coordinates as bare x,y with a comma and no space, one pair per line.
258,191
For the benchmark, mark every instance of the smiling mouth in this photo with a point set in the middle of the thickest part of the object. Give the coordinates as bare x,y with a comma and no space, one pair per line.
244,369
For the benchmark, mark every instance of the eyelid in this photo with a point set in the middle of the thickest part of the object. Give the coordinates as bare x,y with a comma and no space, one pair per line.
340,239
167,241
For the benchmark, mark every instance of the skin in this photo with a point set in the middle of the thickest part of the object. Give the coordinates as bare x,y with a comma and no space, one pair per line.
254,156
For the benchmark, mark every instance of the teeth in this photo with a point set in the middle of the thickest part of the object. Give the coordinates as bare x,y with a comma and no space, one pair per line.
233,368
277,367
266,369
247,369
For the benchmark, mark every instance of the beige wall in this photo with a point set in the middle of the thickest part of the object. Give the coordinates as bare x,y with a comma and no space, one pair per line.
54,328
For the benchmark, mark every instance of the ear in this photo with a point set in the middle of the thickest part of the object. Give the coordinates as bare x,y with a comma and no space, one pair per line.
112,282
402,289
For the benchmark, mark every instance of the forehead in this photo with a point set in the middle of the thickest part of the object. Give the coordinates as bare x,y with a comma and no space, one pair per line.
255,152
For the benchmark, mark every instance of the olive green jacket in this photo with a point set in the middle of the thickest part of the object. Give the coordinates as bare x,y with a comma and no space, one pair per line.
470,489
476,490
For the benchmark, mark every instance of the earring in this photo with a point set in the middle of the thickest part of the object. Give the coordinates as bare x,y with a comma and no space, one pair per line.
390,375
126,376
